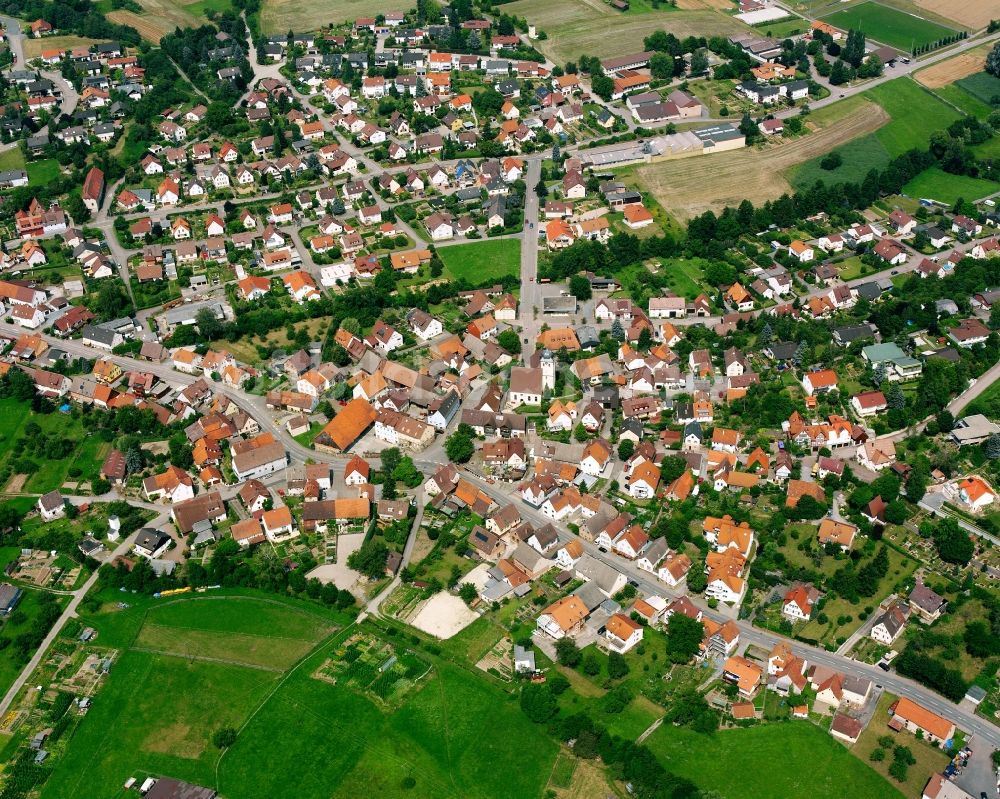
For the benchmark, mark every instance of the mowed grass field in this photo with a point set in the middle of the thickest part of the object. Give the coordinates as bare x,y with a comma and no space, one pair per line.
689,186
935,184
457,736
793,759
158,710
914,114
889,25
160,17
592,27
281,16
488,259
298,736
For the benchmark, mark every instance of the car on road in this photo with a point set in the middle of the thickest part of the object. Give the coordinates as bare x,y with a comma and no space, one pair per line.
883,666
634,583
602,549
894,272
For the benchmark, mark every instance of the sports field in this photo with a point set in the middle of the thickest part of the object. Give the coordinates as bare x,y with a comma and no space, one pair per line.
889,25
802,760
934,184
592,27
914,114
690,186
281,16
482,260
311,727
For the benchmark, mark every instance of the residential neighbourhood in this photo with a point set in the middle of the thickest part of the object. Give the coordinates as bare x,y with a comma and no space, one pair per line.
631,385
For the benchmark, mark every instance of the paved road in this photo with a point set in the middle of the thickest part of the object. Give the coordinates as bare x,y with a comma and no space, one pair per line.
530,298
376,602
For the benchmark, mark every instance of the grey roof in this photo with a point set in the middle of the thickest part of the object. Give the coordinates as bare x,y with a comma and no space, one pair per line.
601,574
100,335
590,594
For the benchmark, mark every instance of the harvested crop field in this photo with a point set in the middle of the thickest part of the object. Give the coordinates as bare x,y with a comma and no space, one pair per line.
160,17
969,15
281,16
952,69
577,27
690,186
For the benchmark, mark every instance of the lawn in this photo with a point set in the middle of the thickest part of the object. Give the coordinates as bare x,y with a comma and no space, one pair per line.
788,759
44,171
889,25
915,113
314,739
935,184
158,711
981,85
478,261
930,760
300,734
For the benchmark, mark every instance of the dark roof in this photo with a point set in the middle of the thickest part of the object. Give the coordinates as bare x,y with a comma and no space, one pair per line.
169,788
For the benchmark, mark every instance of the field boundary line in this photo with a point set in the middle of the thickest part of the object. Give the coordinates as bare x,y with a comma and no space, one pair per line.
230,632
206,659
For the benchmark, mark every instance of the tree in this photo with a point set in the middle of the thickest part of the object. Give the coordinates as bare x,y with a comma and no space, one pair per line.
661,66
992,446
993,61
538,703
699,62
895,398
508,340
617,331
468,593
224,737
580,432
625,448
953,544
617,667
208,324
854,48
684,637
568,653
839,74
697,581
749,128
591,664
369,559
603,86
459,445
579,287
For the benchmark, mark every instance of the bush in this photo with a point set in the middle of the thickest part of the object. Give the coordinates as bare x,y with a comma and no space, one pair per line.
224,737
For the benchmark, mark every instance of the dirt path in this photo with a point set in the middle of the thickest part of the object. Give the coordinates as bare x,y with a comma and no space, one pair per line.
691,186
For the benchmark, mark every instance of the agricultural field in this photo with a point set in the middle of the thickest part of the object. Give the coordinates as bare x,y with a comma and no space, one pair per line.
729,762
577,27
280,16
951,69
889,25
981,85
914,114
690,186
160,17
936,184
33,47
482,260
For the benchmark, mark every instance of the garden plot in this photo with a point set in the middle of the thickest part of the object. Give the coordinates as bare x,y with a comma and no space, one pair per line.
373,667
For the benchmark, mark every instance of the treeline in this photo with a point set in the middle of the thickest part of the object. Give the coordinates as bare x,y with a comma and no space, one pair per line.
931,672
623,249
625,760
72,16
230,566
